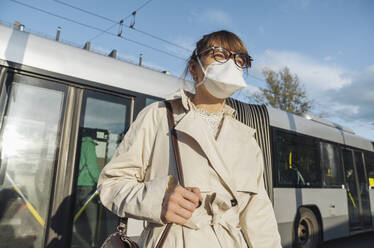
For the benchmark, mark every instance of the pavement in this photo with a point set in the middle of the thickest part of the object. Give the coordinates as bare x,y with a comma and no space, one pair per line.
363,240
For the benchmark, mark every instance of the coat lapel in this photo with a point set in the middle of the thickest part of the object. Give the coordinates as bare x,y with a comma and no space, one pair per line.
194,126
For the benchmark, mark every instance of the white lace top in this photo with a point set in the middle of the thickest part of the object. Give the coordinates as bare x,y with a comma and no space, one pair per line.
213,120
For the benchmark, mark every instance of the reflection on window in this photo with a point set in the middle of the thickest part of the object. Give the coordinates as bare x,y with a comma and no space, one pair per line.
369,161
363,188
29,142
297,161
332,172
105,120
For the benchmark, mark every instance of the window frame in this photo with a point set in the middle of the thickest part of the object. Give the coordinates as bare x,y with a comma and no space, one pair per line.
274,134
10,75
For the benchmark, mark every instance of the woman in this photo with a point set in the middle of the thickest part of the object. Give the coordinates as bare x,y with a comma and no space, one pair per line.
224,203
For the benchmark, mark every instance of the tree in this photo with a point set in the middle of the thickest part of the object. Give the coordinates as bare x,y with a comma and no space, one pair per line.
283,91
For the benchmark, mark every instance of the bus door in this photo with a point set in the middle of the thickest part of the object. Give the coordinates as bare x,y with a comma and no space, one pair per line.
357,189
32,110
363,188
104,119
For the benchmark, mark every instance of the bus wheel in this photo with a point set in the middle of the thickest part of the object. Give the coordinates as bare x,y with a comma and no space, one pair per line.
307,232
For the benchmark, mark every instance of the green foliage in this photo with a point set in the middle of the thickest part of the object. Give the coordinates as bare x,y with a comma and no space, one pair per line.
283,91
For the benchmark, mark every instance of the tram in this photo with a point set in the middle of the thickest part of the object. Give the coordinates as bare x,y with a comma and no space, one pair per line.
65,109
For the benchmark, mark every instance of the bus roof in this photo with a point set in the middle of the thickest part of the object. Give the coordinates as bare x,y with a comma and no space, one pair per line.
35,51
321,129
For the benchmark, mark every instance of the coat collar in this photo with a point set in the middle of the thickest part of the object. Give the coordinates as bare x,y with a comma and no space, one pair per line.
186,99
192,125
217,151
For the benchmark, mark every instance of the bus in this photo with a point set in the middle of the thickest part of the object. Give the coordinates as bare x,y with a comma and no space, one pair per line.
65,109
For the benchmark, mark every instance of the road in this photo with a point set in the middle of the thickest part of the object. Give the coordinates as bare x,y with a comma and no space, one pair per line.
365,240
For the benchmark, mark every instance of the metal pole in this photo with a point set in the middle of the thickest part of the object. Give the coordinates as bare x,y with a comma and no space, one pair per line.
58,33
140,59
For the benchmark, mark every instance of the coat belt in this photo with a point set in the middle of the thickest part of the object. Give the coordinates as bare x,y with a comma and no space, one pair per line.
223,215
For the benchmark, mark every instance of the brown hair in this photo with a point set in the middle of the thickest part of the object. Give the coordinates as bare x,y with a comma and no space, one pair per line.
221,38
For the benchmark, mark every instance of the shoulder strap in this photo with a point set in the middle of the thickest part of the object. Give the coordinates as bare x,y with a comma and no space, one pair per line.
174,140
173,133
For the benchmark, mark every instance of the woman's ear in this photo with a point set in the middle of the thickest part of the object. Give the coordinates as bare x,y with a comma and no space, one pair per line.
192,69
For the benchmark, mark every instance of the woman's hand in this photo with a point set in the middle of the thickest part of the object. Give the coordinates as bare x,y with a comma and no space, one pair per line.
179,204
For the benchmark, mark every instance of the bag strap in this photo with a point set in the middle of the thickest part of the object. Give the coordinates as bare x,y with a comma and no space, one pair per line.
122,227
174,141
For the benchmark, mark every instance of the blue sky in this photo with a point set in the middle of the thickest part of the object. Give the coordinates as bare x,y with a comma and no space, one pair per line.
327,43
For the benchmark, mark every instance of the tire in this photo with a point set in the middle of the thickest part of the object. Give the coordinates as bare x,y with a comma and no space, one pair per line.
307,233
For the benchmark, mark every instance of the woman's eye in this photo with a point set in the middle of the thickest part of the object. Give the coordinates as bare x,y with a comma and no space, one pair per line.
219,56
240,61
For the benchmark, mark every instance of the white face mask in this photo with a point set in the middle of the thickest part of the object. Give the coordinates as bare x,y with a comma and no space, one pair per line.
222,80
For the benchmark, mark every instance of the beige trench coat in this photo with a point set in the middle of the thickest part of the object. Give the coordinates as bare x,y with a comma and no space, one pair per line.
229,167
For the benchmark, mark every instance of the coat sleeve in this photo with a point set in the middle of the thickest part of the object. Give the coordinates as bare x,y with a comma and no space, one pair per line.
257,219
121,184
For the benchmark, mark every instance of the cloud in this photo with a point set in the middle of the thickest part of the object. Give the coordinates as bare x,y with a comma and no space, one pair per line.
339,94
211,16
361,128
327,58
315,75
355,100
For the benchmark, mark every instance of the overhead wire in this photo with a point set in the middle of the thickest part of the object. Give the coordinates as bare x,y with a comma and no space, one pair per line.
139,8
85,11
103,31
97,29
125,18
119,23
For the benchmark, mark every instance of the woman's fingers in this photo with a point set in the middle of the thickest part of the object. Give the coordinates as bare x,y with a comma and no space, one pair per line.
180,204
182,212
189,195
174,218
190,206
197,192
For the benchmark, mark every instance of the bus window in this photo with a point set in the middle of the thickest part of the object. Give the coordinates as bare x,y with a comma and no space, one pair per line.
149,100
103,122
29,137
332,173
369,162
297,161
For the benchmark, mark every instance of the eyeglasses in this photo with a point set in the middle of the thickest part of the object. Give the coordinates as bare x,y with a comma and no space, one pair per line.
223,55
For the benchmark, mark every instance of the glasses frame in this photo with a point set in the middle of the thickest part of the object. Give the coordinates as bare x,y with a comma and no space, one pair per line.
234,55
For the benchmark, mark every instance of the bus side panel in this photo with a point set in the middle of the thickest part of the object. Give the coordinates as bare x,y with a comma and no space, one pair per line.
332,204
285,208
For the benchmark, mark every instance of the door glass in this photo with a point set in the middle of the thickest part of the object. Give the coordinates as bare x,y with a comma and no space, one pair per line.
104,120
352,193
29,140
369,162
363,189
332,171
